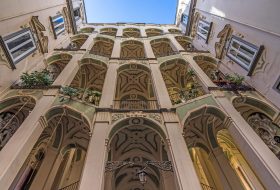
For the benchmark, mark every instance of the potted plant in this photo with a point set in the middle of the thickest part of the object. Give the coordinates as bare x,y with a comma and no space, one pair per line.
36,79
234,79
69,91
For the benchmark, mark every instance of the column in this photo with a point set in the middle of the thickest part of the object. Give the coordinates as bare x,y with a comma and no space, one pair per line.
116,49
89,42
94,167
69,72
148,49
222,166
174,43
15,152
182,163
45,169
108,91
143,31
263,162
160,87
207,82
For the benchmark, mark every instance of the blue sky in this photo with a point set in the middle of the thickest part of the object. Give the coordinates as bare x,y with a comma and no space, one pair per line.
137,11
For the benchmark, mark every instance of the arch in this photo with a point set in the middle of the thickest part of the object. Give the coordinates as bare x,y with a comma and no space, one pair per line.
103,47
181,82
208,64
131,33
78,40
137,140
153,32
90,80
174,31
57,62
13,112
185,42
259,115
205,129
87,30
162,47
132,49
66,134
134,88
109,31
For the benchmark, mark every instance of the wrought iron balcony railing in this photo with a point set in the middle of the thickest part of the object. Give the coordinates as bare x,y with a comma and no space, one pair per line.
73,186
135,104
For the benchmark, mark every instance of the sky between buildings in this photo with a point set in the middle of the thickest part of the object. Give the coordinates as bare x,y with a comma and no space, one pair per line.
136,11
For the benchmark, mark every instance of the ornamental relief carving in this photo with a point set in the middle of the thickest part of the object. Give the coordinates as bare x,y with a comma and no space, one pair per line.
267,131
38,28
194,24
224,36
118,116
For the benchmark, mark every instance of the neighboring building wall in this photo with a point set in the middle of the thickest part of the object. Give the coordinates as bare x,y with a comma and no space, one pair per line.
255,22
16,15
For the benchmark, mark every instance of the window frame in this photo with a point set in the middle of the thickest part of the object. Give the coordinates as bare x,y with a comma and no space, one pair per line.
11,37
182,19
209,24
276,86
257,52
52,19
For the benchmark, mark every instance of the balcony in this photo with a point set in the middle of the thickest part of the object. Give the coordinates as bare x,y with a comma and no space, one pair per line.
135,105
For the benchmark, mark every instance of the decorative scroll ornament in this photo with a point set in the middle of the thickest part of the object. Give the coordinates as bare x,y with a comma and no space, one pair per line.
39,29
262,64
66,20
3,59
162,165
224,36
8,126
114,165
267,131
194,24
118,116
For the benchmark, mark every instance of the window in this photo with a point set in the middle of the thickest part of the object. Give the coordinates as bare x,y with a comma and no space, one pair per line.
18,45
77,14
277,85
184,19
244,53
204,29
58,25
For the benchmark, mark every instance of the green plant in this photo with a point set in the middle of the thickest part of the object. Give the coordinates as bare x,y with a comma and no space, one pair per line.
190,73
236,78
69,91
93,93
36,78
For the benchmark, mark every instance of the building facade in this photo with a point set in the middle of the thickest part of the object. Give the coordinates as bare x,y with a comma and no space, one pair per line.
132,106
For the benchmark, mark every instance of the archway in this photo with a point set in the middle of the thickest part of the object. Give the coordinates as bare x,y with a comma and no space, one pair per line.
153,32
132,49
88,30
162,47
218,162
174,31
259,116
56,161
56,63
185,42
78,40
102,47
135,88
210,67
131,33
90,80
109,31
138,141
13,112
181,82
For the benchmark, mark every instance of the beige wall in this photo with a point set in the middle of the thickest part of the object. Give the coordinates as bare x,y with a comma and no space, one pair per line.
256,22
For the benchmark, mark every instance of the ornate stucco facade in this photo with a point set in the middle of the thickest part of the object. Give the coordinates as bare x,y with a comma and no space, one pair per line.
129,106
